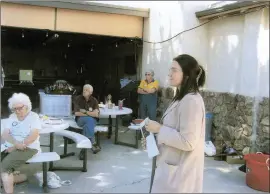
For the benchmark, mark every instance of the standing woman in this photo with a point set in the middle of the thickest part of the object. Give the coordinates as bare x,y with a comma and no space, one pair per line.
147,91
180,135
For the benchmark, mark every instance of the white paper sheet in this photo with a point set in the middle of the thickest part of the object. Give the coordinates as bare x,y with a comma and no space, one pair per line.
151,146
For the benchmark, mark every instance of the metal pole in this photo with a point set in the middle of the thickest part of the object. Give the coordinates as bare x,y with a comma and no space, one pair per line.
154,163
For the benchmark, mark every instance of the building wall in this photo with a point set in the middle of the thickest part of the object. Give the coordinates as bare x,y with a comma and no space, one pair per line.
166,20
234,50
238,55
235,53
68,20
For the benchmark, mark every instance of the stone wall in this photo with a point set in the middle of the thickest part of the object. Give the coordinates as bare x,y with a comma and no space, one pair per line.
234,119
165,96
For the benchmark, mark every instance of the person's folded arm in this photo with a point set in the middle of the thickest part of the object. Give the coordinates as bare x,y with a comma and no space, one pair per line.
189,128
140,88
77,111
94,113
80,114
35,127
32,137
7,137
154,88
141,91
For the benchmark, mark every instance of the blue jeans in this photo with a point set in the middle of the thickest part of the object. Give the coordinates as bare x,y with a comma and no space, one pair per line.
148,106
88,124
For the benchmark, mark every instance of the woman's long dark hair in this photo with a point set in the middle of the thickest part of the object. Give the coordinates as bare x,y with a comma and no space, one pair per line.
193,76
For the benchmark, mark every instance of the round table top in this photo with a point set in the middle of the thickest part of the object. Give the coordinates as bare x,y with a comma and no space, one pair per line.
47,128
114,111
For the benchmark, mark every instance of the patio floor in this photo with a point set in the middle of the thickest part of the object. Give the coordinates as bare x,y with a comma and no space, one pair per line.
120,169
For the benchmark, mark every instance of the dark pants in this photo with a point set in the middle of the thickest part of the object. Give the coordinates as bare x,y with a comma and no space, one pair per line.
148,106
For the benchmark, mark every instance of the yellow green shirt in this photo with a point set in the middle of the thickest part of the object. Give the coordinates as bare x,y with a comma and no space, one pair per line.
153,84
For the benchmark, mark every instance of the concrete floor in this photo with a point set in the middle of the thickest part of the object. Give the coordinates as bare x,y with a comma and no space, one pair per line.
120,169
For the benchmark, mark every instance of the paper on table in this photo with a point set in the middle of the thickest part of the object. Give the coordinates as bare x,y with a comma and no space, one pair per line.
151,146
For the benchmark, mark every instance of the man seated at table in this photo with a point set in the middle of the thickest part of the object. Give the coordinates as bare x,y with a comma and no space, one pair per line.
87,112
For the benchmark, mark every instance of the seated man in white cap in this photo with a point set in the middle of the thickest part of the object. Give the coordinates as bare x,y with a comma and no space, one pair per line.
148,96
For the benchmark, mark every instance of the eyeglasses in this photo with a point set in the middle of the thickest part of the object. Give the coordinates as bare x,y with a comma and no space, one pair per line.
17,108
147,74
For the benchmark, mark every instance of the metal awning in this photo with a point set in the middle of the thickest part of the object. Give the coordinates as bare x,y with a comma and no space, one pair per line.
87,6
230,8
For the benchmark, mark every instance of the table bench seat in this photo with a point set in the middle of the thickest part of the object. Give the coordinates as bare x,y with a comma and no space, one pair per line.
81,141
98,129
44,158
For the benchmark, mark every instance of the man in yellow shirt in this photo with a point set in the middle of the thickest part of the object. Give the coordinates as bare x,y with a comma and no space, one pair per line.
147,91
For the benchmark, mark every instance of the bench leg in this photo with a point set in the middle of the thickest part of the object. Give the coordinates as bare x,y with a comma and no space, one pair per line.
137,136
116,130
45,179
65,149
137,139
84,160
51,149
110,127
83,168
98,138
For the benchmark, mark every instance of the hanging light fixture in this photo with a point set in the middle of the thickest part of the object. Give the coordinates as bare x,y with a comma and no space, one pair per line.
92,48
68,45
116,45
22,35
47,34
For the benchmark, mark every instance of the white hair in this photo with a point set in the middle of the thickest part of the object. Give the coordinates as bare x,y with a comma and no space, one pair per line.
20,98
150,71
88,86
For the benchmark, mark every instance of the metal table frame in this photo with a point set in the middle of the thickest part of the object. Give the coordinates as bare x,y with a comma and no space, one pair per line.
53,168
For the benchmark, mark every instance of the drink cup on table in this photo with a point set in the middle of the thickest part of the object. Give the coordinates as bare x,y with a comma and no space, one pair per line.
120,104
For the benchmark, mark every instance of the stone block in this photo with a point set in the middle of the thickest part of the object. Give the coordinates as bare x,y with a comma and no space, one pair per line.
233,118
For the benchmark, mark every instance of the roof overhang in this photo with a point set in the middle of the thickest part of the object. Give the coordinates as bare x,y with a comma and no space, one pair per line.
87,6
230,8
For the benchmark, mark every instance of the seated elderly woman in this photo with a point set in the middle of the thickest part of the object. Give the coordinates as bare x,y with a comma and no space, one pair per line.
21,138
87,112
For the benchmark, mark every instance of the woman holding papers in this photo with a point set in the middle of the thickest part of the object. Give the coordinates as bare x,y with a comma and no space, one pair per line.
180,136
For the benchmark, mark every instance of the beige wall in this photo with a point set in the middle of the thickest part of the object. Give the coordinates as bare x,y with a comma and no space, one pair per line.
66,20
233,50
25,16
99,23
